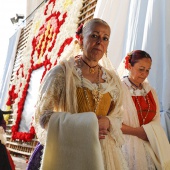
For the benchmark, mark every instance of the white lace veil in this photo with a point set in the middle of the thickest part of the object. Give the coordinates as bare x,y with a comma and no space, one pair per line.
121,69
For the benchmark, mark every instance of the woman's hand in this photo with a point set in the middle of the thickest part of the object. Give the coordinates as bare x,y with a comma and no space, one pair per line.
104,125
138,131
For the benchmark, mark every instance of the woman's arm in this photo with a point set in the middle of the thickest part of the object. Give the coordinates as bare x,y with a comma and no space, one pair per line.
138,131
50,95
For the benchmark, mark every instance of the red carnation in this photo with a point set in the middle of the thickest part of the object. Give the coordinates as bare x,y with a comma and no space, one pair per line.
126,61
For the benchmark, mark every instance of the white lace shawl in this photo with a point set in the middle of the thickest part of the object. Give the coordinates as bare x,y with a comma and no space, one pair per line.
140,150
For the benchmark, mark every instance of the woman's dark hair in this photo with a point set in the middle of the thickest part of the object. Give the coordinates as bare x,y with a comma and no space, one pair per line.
137,55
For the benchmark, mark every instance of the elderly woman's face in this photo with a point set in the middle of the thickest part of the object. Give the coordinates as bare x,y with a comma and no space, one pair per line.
95,41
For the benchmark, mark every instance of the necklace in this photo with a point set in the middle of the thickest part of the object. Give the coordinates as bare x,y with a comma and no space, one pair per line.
133,84
134,88
140,108
96,93
91,69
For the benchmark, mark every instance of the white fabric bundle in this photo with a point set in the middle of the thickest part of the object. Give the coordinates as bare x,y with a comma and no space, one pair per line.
72,143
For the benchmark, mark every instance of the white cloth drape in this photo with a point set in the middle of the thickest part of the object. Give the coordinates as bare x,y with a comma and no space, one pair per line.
7,71
142,25
115,13
72,143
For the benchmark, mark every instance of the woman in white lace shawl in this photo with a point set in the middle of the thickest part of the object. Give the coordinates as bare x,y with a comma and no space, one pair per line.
82,84
146,146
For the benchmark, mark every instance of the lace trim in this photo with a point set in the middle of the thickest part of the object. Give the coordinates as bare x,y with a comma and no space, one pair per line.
136,155
51,98
139,92
114,93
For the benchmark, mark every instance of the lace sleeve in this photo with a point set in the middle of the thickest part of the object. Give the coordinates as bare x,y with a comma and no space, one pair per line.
50,99
116,113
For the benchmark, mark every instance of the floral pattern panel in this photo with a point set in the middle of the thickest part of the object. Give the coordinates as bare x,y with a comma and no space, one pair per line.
51,37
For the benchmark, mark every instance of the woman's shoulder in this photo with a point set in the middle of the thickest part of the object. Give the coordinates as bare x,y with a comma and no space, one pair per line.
148,87
125,82
54,77
56,70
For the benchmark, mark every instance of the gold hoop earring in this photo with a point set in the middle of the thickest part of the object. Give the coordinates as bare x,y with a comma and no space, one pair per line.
81,47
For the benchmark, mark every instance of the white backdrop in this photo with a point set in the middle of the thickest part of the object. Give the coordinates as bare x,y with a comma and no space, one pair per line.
145,25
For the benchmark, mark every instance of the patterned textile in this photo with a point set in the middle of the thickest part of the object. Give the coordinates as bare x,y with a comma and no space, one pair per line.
103,107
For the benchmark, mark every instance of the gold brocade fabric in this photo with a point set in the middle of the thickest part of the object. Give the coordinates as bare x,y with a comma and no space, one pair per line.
83,106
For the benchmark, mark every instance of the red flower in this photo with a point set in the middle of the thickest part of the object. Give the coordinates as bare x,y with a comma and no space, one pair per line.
126,61
79,31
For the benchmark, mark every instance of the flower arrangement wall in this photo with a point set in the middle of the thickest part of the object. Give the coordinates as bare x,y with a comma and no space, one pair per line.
51,37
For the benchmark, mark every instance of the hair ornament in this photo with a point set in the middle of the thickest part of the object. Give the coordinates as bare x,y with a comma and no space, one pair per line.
126,61
79,31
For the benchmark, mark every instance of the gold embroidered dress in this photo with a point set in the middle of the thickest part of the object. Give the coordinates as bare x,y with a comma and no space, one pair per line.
103,107
61,91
